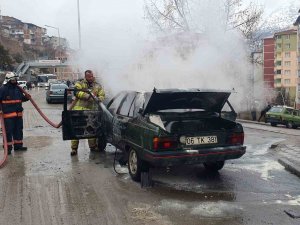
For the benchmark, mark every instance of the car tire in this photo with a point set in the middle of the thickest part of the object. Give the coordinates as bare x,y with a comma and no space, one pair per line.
273,124
214,166
289,124
294,127
48,101
136,165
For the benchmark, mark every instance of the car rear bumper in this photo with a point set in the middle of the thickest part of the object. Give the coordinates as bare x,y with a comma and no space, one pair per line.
194,156
58,98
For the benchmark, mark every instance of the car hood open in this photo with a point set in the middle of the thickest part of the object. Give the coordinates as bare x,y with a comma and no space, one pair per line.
208,100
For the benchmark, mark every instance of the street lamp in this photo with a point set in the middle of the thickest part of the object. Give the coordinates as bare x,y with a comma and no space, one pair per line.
56,28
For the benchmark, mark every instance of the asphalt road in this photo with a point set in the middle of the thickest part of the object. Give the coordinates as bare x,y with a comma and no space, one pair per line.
46,186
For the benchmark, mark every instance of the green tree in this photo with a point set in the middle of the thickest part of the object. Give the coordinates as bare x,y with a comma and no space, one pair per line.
5,59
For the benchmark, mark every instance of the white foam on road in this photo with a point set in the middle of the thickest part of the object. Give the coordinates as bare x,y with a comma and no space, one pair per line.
204,209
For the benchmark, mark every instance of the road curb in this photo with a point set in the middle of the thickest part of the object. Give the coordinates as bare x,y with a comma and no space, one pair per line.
290,166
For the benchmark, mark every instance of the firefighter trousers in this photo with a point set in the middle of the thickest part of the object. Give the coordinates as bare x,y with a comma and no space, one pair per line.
92,143
14,131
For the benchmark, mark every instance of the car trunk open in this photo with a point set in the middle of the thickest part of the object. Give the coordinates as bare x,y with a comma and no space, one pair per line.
210,101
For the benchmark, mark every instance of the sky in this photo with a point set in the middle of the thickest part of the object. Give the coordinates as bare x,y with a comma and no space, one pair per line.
101,14
63,14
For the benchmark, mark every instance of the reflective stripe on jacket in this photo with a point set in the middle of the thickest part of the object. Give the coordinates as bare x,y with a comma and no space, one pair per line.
11,99
85,101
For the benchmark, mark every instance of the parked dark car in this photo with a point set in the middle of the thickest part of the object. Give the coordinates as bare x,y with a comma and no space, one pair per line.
55,93
162,128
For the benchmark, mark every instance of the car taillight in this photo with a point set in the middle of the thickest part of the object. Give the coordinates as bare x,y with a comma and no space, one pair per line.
164,143
236,139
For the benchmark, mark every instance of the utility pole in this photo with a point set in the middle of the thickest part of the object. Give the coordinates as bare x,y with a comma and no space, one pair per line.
79,29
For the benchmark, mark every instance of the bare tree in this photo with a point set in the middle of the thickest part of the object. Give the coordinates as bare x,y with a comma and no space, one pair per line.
168,14
175,15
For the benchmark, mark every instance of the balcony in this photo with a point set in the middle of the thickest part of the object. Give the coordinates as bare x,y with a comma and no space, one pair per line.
277,76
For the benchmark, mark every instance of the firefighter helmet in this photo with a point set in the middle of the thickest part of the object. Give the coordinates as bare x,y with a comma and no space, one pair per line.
10,76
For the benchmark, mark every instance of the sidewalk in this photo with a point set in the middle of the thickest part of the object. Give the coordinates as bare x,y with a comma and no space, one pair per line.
287,151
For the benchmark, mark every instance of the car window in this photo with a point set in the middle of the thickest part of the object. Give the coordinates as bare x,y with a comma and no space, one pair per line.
126,104
59,86
289,111
276,109
114,104
138,103
296,113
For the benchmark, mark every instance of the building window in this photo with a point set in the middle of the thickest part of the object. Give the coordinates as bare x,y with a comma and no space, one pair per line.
278,54
278,63
287,63
287,72
287,55
277,81
279,37
278,45
287,81
288,45
287,36
278,71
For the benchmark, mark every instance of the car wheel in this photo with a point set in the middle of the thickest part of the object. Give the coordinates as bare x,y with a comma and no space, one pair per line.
273,124
214,166
294,127
289,125
136,165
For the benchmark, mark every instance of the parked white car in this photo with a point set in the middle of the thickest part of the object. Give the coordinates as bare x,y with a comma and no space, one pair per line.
22,83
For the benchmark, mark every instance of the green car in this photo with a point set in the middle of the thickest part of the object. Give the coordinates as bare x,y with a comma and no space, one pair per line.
283,115
165,127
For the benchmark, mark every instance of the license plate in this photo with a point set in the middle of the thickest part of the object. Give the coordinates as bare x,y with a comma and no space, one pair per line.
201,140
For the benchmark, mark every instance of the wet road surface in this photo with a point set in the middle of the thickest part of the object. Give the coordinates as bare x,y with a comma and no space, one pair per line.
46,186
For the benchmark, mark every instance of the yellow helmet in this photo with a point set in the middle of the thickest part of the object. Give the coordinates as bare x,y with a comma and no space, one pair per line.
10,76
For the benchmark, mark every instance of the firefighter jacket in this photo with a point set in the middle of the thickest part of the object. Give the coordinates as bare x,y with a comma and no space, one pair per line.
84,99
11,99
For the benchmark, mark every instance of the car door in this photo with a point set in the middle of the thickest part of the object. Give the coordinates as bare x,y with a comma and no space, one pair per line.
121,119
82,124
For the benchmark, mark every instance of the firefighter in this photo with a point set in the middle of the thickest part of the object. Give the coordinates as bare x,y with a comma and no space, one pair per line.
11,99
86,102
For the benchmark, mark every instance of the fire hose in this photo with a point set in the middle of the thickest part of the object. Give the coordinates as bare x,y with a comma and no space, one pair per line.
2,162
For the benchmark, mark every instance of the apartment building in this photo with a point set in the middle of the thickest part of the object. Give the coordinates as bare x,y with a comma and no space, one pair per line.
297,25
23,32
268,56
286,64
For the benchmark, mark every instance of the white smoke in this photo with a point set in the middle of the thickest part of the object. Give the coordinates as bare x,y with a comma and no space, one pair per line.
209,57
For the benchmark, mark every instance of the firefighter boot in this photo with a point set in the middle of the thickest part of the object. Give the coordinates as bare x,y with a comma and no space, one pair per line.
20,148
73,152
9,148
